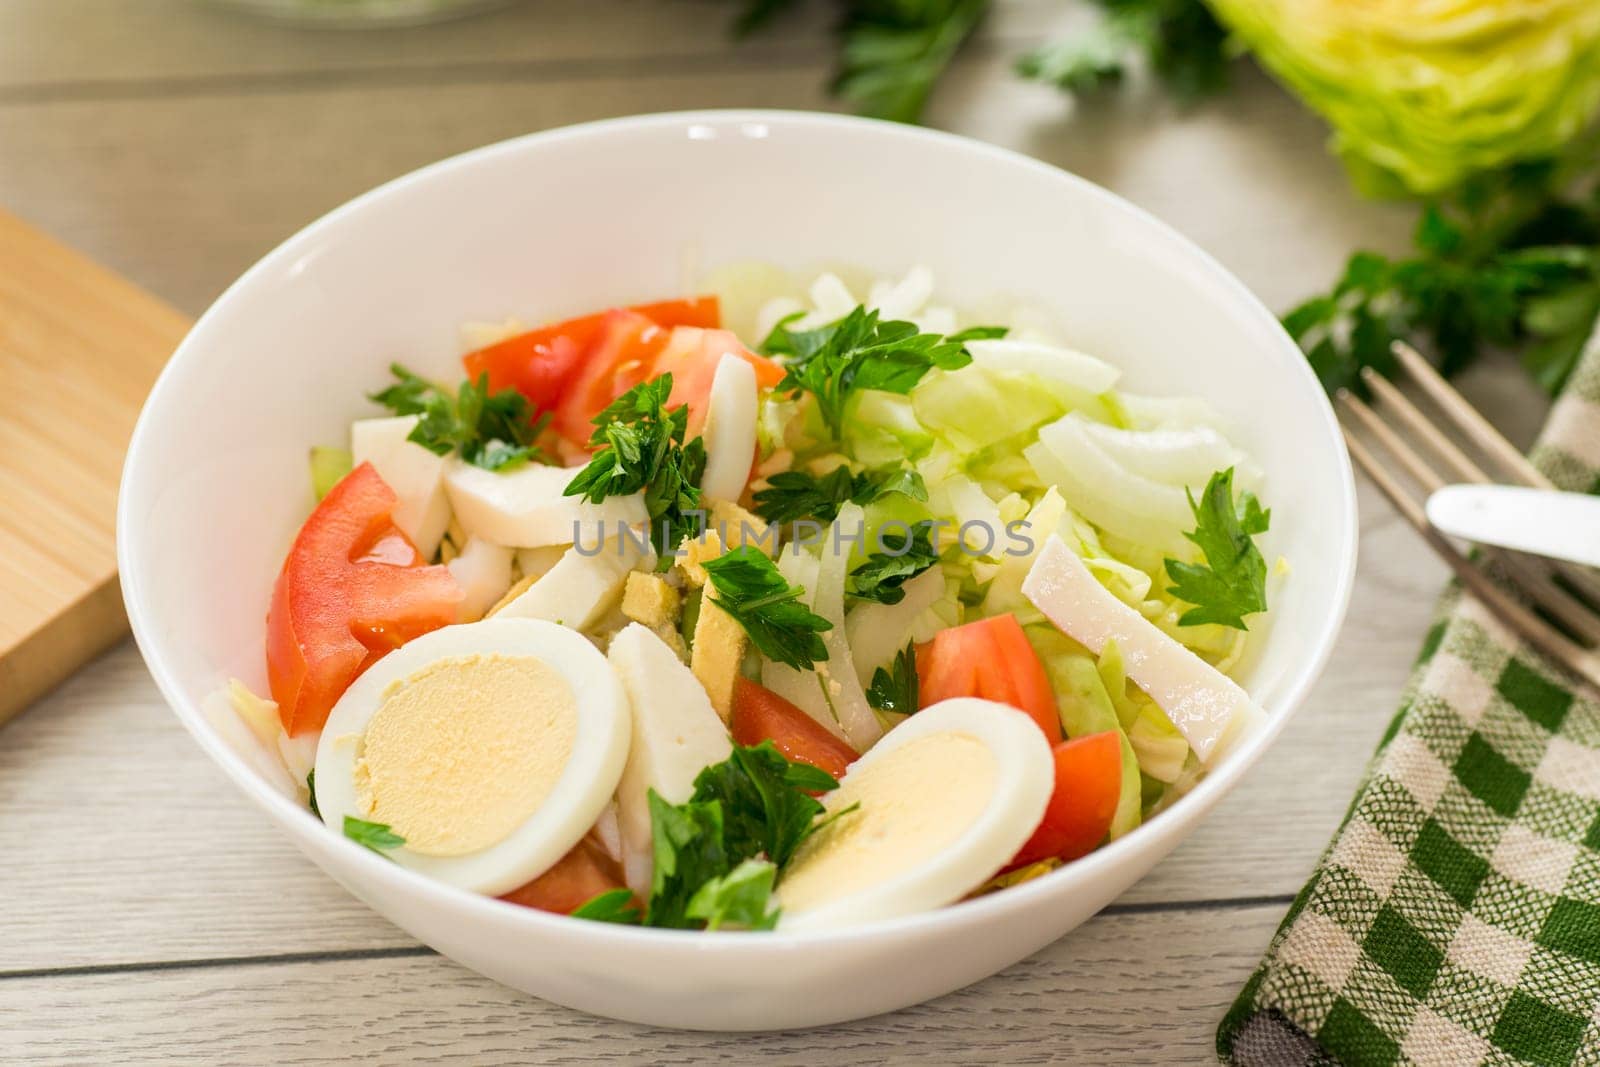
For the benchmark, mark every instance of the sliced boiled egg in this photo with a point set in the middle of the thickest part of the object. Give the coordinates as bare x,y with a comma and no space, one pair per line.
483,570
584,584
730,430
676,735
945,800
415,474
490,747
1210,709
527,508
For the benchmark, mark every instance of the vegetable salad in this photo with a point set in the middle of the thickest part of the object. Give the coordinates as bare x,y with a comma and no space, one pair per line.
774,607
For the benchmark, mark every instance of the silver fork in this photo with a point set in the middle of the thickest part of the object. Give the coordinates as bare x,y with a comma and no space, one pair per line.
1575,644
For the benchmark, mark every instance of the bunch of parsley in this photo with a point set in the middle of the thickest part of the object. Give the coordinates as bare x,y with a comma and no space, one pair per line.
1510,259
893,52
717,855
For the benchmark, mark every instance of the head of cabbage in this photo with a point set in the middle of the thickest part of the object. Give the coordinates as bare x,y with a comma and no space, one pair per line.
1423,93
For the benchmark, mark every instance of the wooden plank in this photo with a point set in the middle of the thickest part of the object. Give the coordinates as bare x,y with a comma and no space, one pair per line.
79,348
1122,989
57,49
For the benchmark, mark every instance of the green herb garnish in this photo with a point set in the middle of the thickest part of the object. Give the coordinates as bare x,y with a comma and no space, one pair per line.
791,496
612,906
374,835
1184,44
494,431
1232,583
750,588
902,556
642,449
766,802
858,352
742,897
311,790
895,688
1508,259
717,855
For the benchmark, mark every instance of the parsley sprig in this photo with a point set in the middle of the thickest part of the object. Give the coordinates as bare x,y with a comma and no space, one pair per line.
717,855
750,588
892,53
1182,42
791,496
884,573
860,351
642,448
374,835
1509,259
1232,583
495,431
894,688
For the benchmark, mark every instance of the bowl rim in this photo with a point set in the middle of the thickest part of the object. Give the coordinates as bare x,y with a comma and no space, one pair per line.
1151,836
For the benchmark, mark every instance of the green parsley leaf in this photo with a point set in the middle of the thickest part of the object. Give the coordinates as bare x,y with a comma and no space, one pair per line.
311,789
750,588
612,906
642,449
495,431
374,835
752,804
895,688
883,575
894,51
1181,41
688,849
857,352
794,495
1232,583
742,897
766,802
979,333
1510,258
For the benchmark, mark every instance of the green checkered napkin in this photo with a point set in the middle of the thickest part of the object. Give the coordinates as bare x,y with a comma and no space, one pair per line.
1455,917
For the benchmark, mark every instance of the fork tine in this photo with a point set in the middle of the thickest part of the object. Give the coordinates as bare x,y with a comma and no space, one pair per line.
1466,418
1528,575
1396,446
1420,426
1533,578
1539,633
1478,430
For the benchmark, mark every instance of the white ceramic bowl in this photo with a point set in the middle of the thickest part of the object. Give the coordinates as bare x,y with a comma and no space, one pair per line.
565,221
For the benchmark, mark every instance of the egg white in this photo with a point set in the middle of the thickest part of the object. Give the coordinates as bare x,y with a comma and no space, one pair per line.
932,877
579,795
730,430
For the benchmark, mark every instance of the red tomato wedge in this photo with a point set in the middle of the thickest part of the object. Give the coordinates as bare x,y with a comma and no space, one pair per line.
989,658
352,589
1078,817
692,355
622,355
578,877
760,715
540,363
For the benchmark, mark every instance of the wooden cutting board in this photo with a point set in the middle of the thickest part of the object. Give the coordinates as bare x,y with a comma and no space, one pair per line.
79,349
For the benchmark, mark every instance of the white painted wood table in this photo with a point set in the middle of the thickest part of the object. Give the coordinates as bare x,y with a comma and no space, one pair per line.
147,914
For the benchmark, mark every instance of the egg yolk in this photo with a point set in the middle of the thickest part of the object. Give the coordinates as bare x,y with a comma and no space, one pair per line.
462,752
915,802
